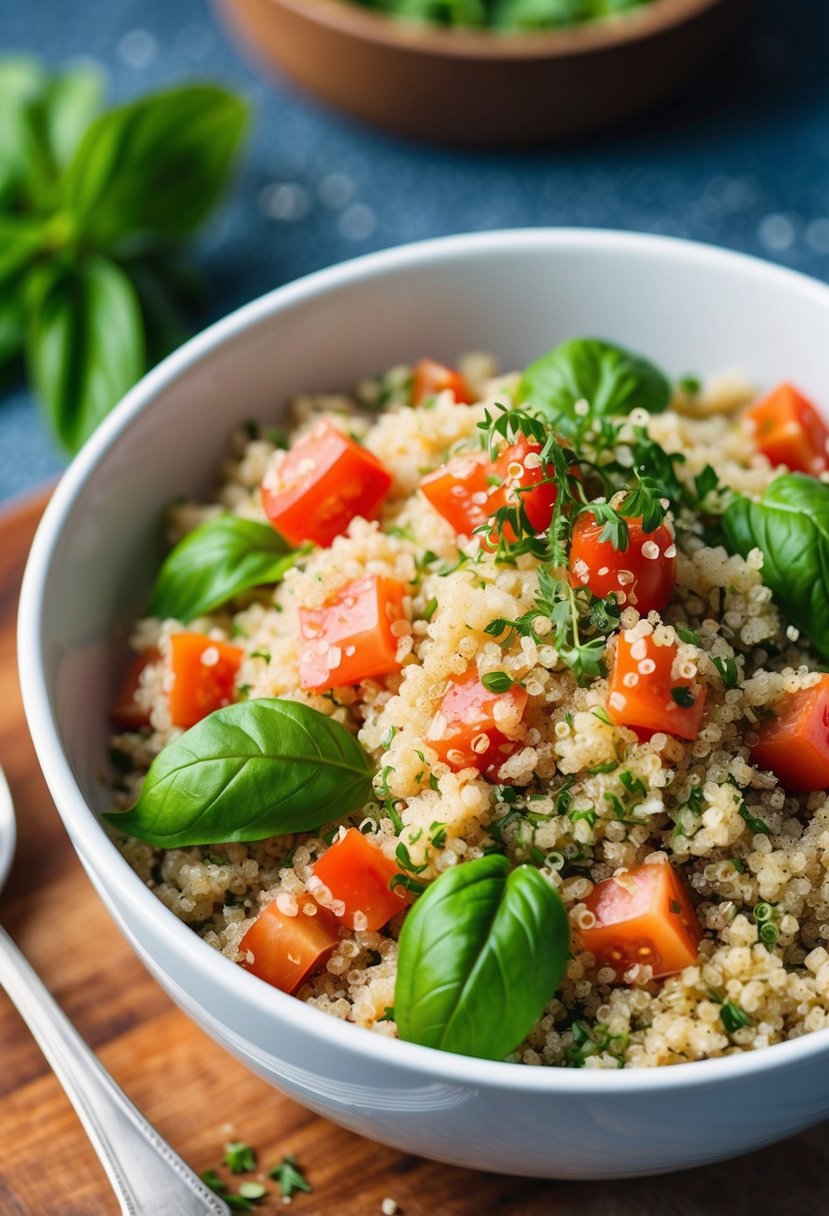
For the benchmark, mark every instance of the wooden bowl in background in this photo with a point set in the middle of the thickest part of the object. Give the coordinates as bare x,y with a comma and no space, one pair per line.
477,87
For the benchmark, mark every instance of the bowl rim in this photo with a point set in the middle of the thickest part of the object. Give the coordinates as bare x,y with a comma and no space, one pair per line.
592,37
88,835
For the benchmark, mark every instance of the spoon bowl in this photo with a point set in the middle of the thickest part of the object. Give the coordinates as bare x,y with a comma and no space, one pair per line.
8,829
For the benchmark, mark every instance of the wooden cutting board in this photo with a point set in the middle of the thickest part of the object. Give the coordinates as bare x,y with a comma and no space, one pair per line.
198,1097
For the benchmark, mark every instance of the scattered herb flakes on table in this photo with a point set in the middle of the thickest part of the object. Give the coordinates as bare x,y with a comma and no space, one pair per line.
512,681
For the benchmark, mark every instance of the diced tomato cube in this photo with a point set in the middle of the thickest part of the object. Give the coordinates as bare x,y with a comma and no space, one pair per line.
286,948
203,674
460,492
644,915
469,489
468,729
127,714
789,430
352,637
794,744
525,482
430,378
313,491
642,575
647,697
358,874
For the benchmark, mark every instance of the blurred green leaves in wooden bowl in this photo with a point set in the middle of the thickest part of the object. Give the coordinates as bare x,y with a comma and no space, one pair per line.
95,208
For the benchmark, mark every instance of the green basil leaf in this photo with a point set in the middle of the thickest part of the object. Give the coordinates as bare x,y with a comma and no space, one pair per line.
157,165
44,117
790,526
215,562
481,954
12,333
85,344
73,97
610,379
255,769
21,240
25,162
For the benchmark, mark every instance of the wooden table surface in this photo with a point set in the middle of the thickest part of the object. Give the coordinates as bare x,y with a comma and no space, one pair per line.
198,1097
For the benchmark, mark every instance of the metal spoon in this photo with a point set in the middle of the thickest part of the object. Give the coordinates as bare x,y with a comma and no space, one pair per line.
148,1177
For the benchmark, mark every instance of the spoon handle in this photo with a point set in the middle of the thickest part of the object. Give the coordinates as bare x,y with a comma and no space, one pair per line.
148,1177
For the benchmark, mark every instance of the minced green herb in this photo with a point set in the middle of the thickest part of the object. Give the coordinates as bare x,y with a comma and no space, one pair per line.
733,1016
289,1177
239,1157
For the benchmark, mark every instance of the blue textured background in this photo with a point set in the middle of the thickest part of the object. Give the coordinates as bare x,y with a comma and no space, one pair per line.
740,161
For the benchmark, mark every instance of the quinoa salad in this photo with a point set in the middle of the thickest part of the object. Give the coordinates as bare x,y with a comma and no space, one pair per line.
487,711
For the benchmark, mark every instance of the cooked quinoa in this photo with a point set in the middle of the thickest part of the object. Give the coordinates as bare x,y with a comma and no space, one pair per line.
702,799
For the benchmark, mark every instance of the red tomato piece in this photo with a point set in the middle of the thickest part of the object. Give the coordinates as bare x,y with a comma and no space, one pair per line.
287,948
642,575
203,677
465,732
790,431
526,481
352,637
430,378
646,916
644,695
794,744
460,492
312,492
356,872
469,489
127,714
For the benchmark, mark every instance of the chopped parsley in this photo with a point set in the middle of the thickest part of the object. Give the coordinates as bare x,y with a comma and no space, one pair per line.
683,697
407,883
405,862
497,681
729,672
733,1016
289,1178
591,1041
633,785
239,1157
437,834
758,826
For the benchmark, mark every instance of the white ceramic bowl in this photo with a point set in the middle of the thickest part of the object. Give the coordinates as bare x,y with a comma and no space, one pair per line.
517,293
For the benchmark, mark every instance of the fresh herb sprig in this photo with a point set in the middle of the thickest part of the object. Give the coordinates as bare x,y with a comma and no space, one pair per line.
93,208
